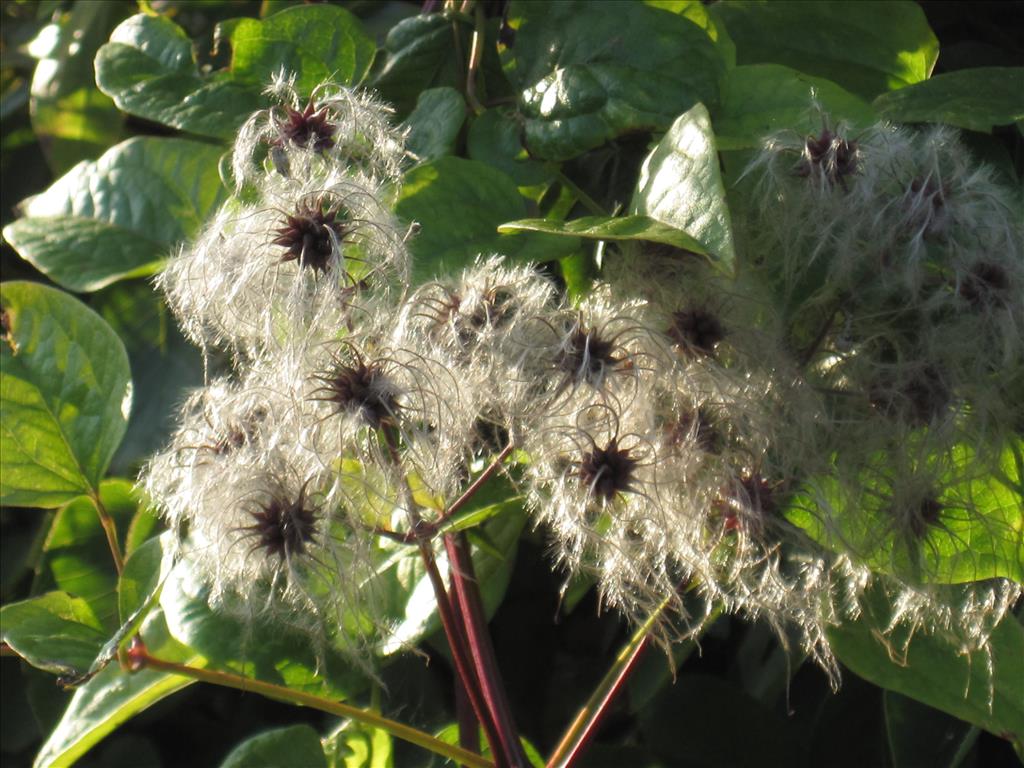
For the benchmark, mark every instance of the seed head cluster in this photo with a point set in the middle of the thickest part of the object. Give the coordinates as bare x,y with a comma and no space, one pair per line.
830,421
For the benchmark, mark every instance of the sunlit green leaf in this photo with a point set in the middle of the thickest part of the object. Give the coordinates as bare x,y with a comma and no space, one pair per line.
148,68
977,99
588,72
113,697
979,533
65,388
72,119
642,228
681,186
116,217
55,632
76,555
761,98
84,254
867,47
460,204
360,746
317,43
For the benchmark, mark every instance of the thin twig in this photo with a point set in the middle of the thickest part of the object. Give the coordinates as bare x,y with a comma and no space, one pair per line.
110,529
139,658
588,202
476,55
585,724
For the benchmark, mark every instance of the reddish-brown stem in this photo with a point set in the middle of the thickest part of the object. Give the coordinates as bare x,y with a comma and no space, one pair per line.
582,730
460,657
469,727
452,629
466,591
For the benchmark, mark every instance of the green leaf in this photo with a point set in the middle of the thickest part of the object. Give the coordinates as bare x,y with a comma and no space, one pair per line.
256,648
979,533
495,138
641,228
421,54
165,367
55,632
866,48
921,736
117,216
71,118
588,73
149,70
318,43
450,735
761,98
931,670
697,12
84,254
76,554
113,697
148,67
162,188
360,746
460,204
65,389
977,99
144,573
435,123
680,185
297,746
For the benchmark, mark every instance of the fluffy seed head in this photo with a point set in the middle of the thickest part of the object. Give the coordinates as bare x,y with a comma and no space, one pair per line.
607,471
310,236
830,156
362,388
283,526
696,331
309,127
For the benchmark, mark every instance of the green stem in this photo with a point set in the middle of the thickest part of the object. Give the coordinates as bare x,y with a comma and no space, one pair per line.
139,658
110,529
588,202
